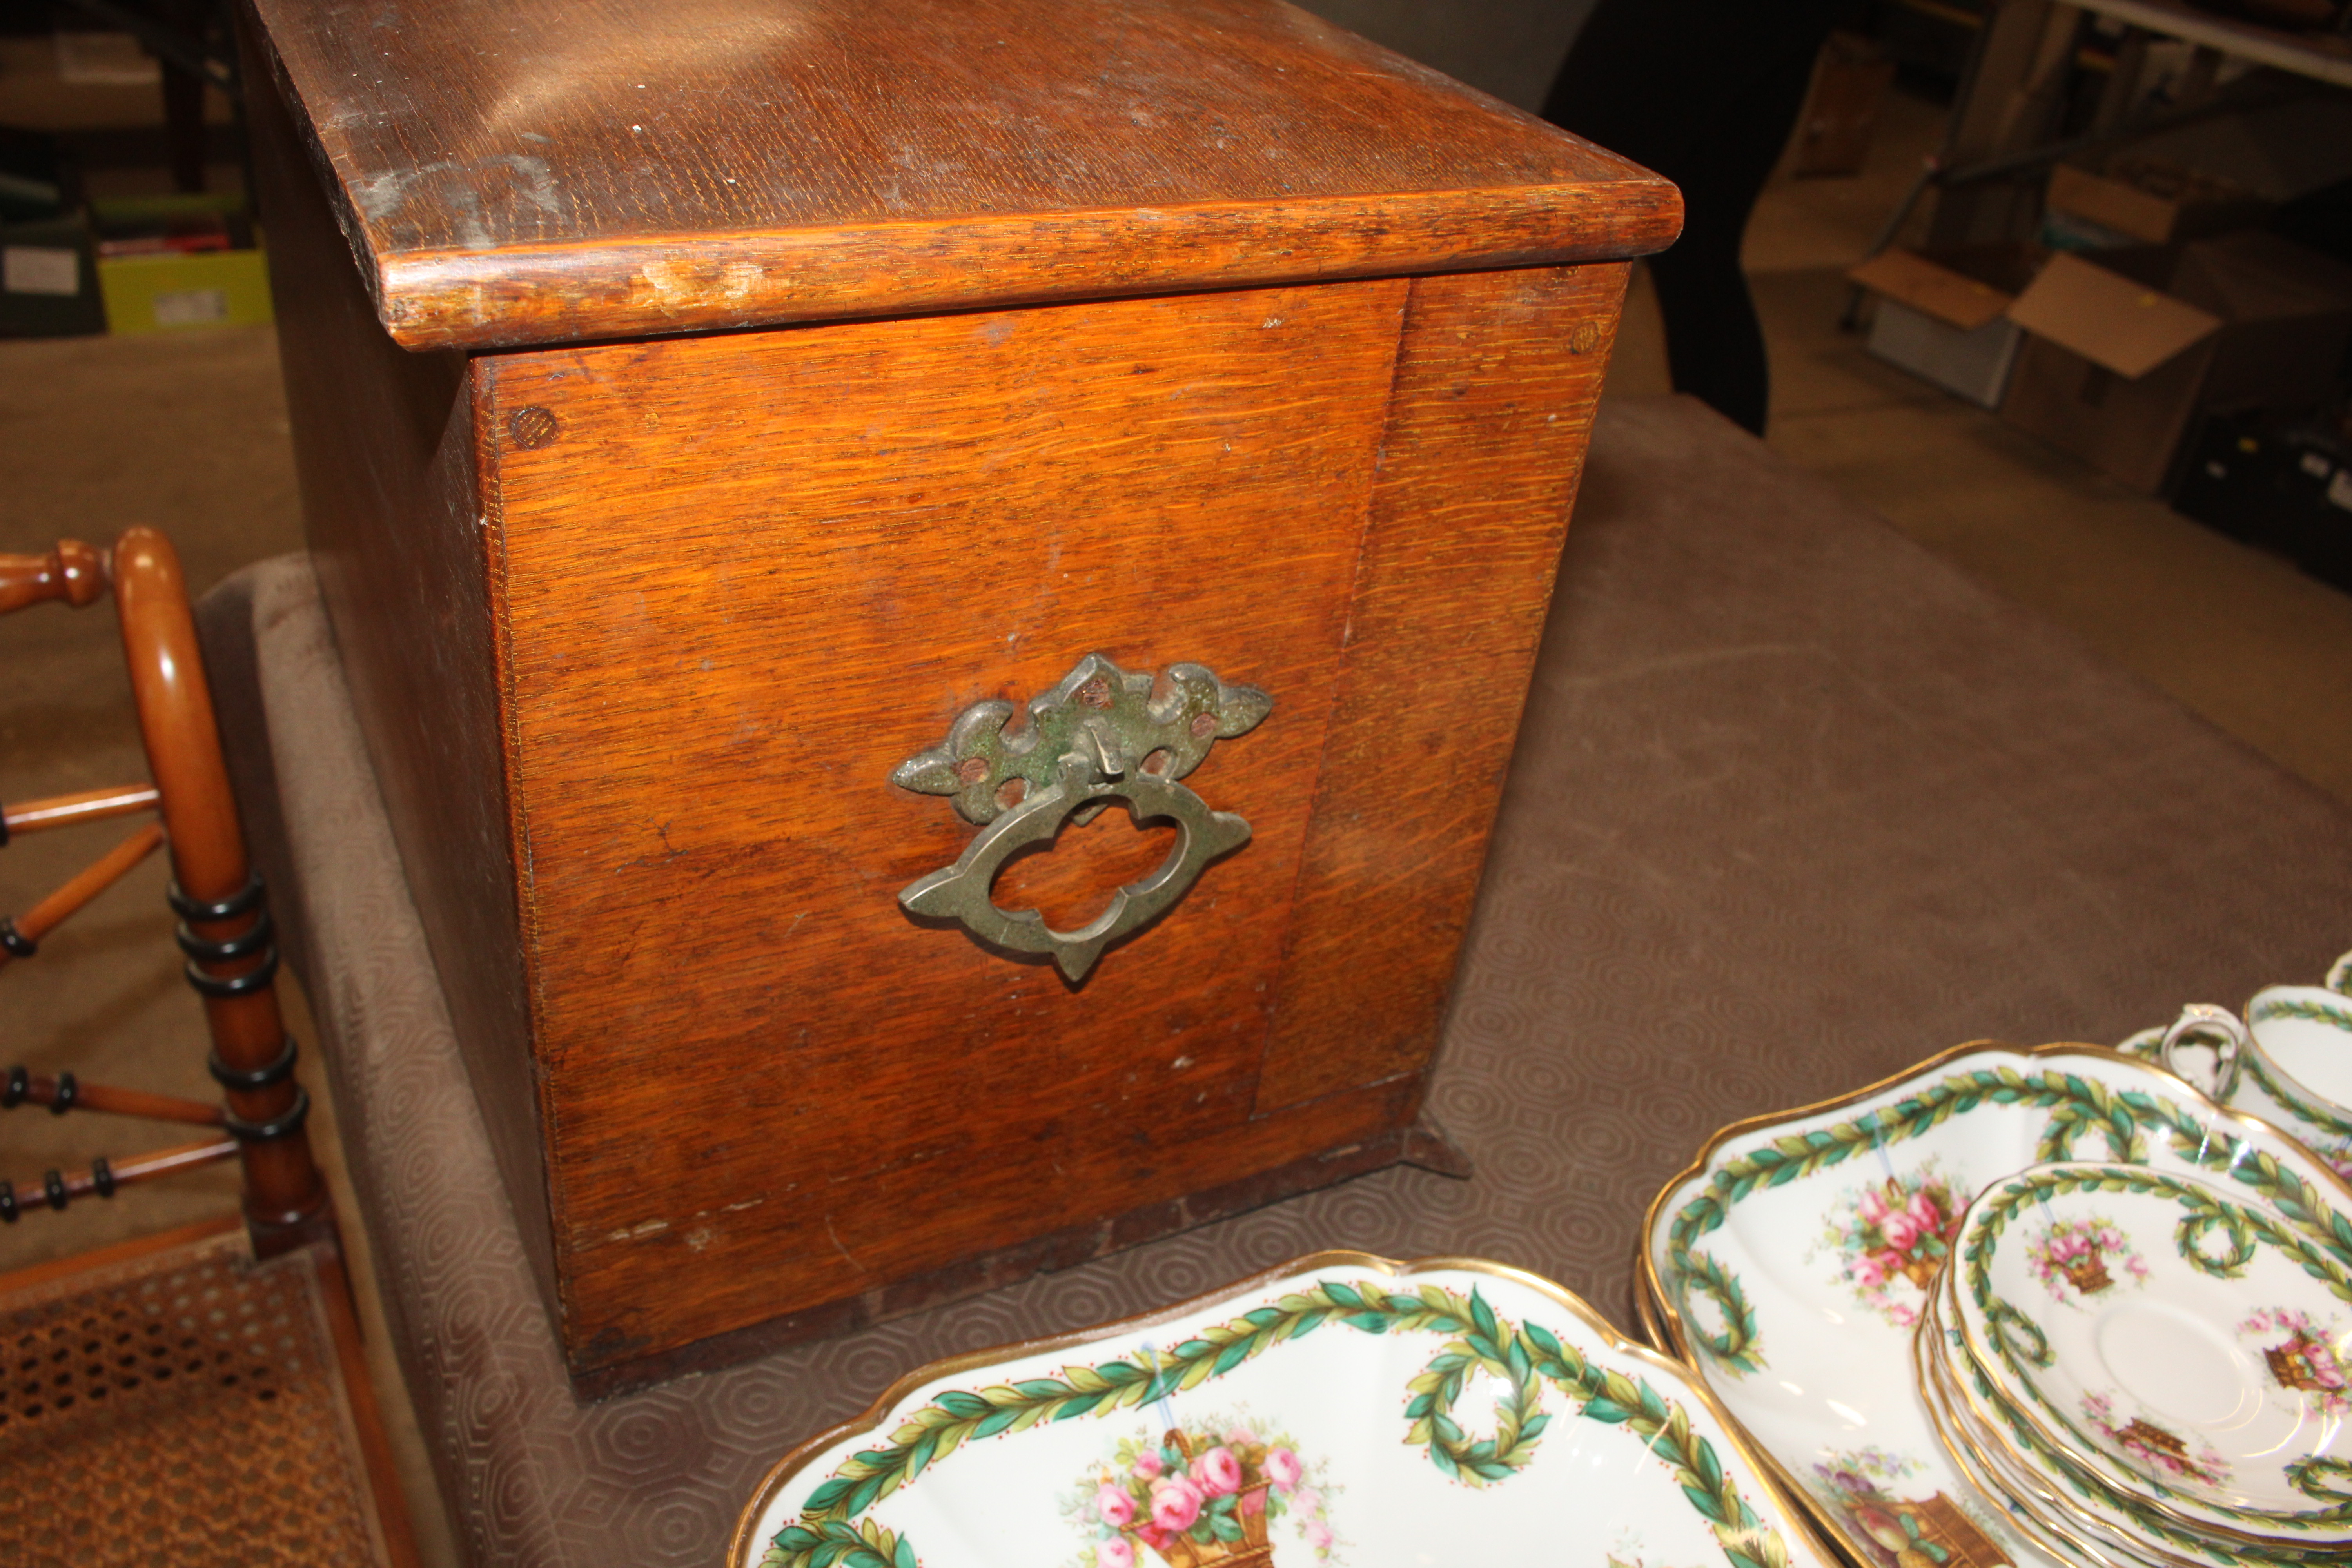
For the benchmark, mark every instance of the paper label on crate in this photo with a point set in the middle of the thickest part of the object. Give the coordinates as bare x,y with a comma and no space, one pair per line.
40,270
191,306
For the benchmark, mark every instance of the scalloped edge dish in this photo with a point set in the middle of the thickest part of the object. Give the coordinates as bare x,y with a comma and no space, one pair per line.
1894,1171
2291,1518
2056,1488
1494,1336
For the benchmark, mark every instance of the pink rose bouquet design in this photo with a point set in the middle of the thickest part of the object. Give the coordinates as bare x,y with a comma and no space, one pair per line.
1891,1239
2079,1258
2303,1357
1199,1499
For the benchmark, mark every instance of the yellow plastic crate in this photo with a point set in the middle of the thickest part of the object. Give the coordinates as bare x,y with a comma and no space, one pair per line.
166,293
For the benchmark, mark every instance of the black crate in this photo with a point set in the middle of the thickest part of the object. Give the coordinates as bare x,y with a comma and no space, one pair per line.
2281,482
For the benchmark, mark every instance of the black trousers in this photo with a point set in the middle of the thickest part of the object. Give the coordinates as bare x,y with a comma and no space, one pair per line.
1706,93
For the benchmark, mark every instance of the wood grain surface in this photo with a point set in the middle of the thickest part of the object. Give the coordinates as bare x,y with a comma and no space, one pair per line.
526,171
745,577
1497,382
638,629
383,449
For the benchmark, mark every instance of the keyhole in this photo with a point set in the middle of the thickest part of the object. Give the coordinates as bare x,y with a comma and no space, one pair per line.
1071,879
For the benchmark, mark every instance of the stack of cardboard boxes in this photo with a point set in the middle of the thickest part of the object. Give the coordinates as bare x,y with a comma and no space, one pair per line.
2156,329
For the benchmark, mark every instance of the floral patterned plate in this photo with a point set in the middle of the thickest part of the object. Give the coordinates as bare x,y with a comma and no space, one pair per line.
2057,1523
1983,1437
2187,1348
1790,1263
1340,1410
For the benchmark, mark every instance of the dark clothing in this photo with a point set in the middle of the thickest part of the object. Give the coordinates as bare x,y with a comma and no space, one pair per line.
1706,93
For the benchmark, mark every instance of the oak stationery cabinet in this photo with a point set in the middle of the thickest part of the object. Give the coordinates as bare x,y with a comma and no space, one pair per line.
939,591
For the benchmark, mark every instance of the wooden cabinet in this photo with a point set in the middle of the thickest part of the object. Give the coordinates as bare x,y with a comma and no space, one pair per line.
700,404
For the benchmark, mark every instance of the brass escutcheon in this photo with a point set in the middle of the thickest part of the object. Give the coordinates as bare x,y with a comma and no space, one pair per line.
1096,738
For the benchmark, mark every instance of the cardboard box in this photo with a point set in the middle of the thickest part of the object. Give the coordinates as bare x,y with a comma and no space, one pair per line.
1850,83
1941,315
2211,176
2151,200
2124,352
48,279
2061,230
164,293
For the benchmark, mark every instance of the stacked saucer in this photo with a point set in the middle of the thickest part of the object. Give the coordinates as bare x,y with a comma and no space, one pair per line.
2149,1370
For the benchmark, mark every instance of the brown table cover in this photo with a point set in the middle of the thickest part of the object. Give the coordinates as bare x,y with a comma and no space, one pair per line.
1795,806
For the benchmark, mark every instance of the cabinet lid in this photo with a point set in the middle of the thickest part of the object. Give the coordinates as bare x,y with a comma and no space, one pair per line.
515,172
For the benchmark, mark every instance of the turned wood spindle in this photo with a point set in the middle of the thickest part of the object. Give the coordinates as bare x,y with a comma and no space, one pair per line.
72,570
210,872
224,927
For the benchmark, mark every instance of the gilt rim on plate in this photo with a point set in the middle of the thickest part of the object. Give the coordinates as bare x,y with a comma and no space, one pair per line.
745,1544
2062,1451
1666,1326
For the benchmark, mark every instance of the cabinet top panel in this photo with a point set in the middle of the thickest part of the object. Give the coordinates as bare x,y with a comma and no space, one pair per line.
515,172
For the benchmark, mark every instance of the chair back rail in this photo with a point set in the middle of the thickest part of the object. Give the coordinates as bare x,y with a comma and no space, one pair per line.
225,926
86,805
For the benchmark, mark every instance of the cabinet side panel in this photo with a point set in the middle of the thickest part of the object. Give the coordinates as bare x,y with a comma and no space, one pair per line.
383,444
747,576
1496,381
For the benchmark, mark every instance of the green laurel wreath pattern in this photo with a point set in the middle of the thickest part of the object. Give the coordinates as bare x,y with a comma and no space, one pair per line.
1524,1357
2312,1474
2305,1105
2077,1106
2203,1216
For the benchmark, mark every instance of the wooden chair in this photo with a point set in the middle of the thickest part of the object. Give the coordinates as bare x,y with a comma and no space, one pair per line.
202,1339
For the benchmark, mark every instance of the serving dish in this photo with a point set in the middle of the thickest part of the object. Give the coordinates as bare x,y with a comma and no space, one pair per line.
1343,1409
1791,1262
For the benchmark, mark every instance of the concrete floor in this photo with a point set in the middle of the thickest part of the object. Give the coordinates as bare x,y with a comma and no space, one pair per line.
2241,637
188,432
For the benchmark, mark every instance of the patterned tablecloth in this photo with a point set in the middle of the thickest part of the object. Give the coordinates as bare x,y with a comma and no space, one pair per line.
1795,806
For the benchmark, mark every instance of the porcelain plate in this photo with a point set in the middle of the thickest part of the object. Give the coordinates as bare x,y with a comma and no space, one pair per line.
1792,1261
1342,1412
